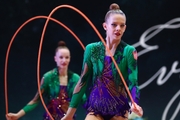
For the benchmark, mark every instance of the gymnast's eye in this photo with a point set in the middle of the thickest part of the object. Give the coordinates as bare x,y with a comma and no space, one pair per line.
114,25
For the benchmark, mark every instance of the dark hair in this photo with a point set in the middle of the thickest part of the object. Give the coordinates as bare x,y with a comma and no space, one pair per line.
114,9
61,44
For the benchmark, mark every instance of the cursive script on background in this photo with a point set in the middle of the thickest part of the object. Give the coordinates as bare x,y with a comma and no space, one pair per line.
162,74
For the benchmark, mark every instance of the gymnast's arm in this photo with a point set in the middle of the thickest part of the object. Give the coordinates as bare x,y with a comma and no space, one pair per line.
133,73
133,81
29,107
81,86
79,91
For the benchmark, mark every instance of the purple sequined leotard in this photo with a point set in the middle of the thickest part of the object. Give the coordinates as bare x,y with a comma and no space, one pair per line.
105,98
58,106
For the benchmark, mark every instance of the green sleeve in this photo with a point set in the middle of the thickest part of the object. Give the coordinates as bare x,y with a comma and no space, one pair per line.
133,73
84,98
29,107
79,91
77,77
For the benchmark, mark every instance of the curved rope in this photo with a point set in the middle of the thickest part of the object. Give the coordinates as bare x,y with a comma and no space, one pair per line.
9,47
97,32
40,48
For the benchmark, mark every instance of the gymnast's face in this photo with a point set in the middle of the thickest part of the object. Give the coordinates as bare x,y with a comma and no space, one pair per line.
62,58
115,26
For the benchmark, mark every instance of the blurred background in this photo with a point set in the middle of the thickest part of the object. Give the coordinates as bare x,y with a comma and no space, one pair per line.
153,27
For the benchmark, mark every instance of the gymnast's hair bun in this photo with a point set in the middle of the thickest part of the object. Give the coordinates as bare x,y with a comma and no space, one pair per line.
61,43
114,6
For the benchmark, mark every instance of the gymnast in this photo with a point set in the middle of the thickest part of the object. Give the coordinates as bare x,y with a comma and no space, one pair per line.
108,99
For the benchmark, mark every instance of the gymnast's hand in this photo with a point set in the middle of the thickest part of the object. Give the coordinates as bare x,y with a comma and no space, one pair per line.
69,114
66,118
15,116
137,109
12,116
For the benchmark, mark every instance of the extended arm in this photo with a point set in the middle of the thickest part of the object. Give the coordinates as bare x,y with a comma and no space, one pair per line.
133,81
81,86
30,106
133,74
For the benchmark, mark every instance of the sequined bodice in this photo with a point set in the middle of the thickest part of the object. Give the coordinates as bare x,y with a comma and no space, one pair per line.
105,98
58,106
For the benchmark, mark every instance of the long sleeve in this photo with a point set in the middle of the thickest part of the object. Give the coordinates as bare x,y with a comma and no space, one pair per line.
71,85
82,84
36,100
133,74
30,106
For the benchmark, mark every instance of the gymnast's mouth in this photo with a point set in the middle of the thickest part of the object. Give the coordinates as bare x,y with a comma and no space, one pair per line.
117,34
